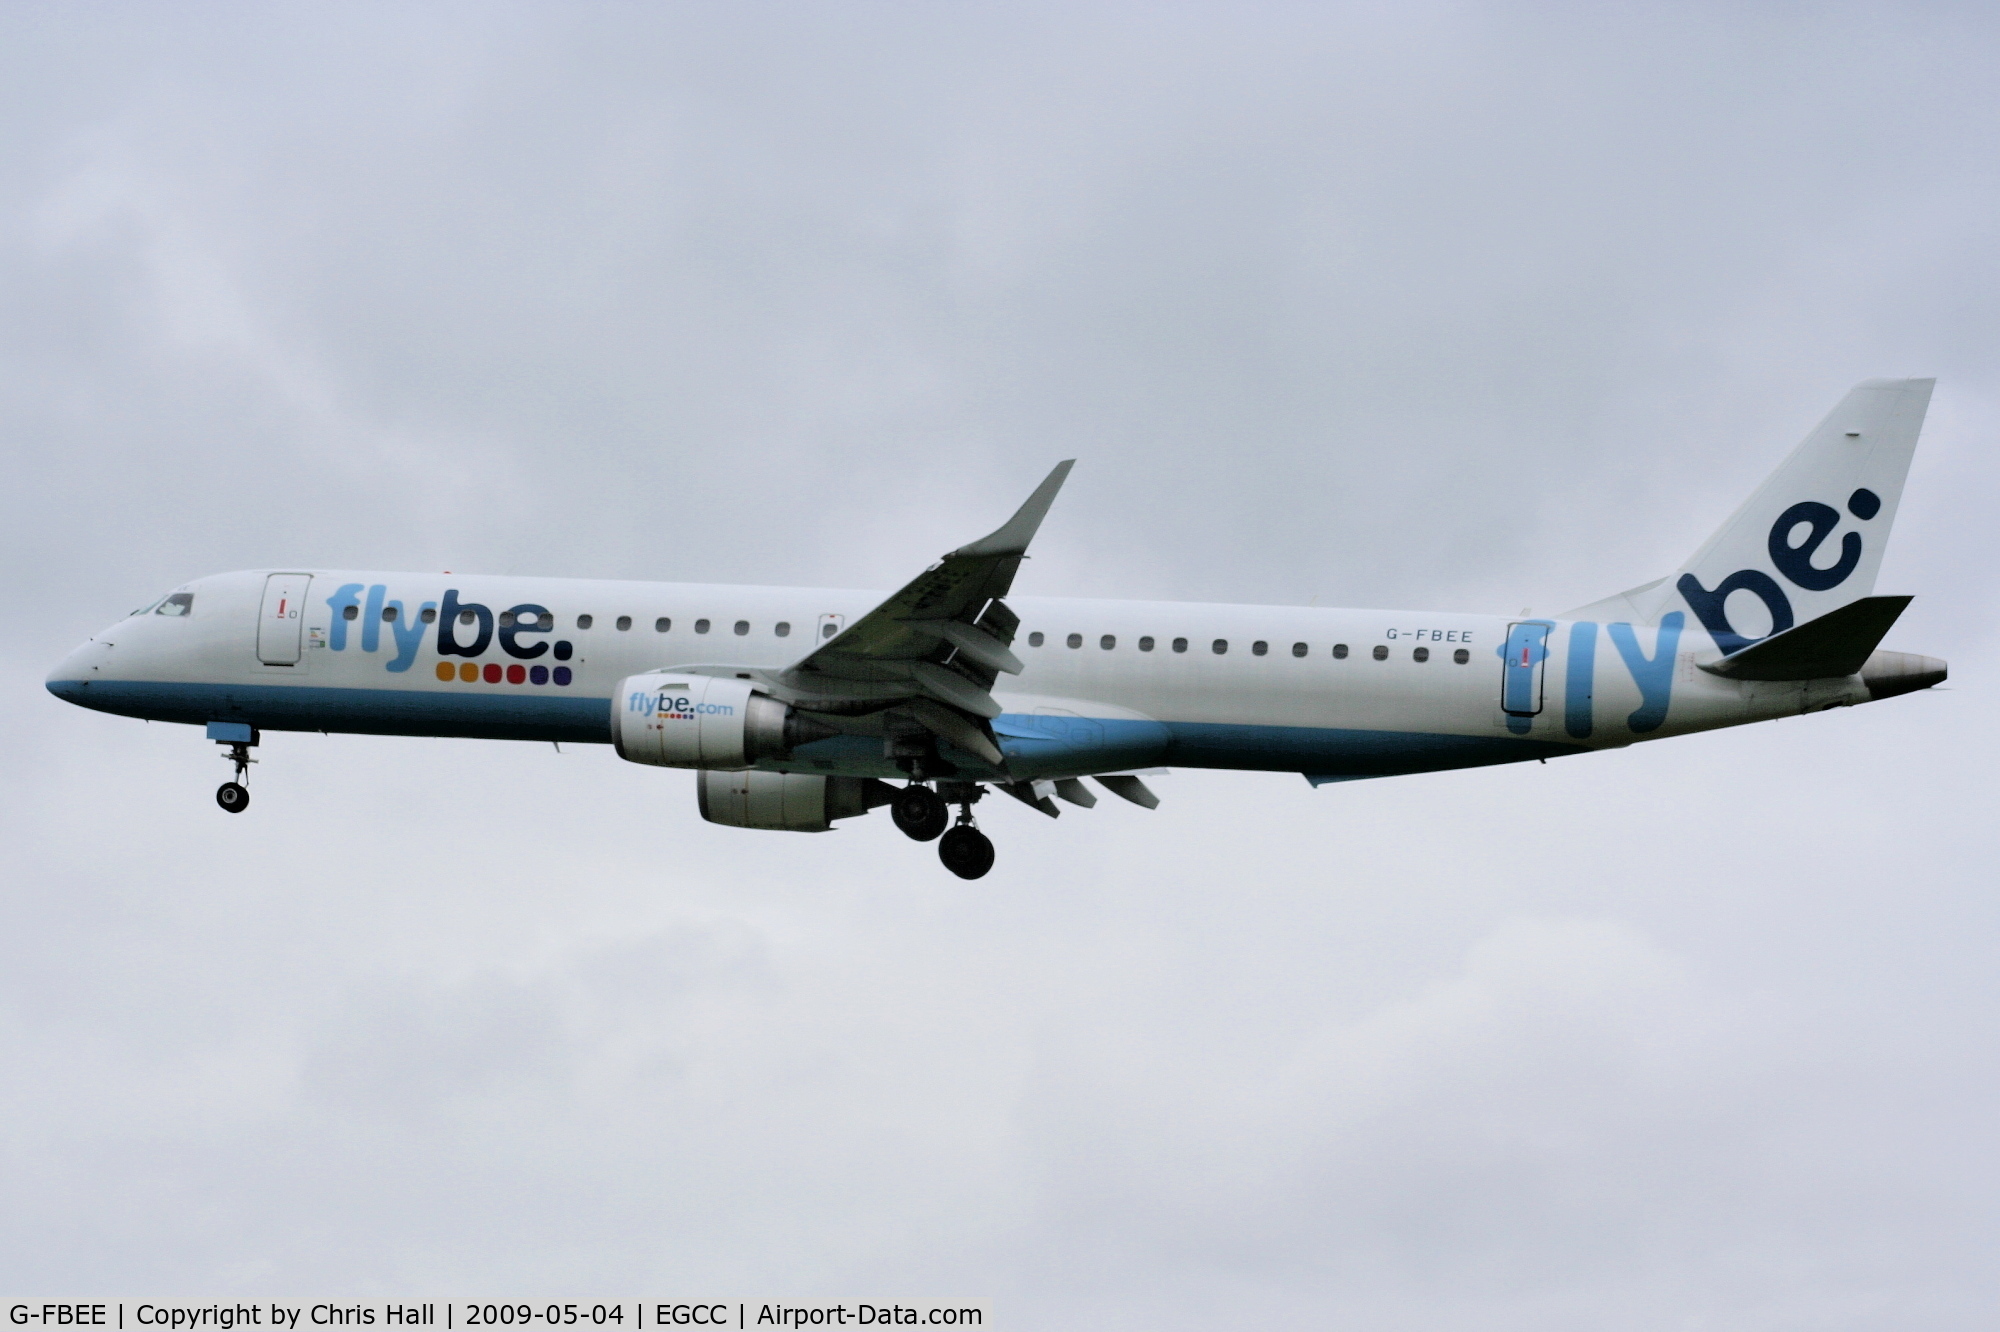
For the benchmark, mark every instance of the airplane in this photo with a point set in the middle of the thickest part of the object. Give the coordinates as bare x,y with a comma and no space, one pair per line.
799,707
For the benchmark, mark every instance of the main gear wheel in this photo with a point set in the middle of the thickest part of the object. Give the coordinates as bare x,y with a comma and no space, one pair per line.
920,812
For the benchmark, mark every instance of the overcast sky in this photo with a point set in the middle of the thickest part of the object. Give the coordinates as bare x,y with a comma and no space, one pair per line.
1419,305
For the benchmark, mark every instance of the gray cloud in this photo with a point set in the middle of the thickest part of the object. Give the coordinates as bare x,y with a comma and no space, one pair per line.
1432,306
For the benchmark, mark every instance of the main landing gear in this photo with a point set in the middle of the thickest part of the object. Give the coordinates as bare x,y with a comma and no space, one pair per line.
234,796
923,814
965,850
920,812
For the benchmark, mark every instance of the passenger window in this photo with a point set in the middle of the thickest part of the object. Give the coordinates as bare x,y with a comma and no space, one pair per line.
1075,640
431,613
506,619
1461,656
1035,639
661,625
1381,653
782,628
742,628
388,614
701,626
547,619
179,604
1219,646
1108,642
1298,649
624,623
1145,645
1422,654
354,613
1180,645
1259,648
1340,651
582,621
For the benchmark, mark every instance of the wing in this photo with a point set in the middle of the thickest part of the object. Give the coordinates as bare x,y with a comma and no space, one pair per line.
932,651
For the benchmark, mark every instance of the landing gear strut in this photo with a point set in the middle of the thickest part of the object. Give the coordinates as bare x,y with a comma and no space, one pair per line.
234,796
965,850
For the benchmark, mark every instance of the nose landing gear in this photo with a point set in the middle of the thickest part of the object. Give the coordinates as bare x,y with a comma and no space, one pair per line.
234,796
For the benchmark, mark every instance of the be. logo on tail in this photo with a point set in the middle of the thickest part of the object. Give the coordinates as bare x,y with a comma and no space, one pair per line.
1793,560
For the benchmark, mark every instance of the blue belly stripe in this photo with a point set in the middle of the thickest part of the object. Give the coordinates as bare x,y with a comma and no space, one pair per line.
1331,754
512,713
1036,746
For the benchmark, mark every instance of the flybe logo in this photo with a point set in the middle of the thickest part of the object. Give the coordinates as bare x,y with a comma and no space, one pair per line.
463,628
1812,522
671,707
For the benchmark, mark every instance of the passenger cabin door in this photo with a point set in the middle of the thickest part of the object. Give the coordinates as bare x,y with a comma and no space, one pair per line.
281,624
1521,676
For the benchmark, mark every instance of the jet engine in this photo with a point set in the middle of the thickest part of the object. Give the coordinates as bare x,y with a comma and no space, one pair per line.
678,720
786,801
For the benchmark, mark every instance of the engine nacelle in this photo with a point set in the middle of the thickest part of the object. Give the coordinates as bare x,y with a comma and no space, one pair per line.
677,720
786,801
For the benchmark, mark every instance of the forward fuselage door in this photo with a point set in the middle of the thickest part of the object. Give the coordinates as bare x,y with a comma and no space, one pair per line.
1521,676
281,622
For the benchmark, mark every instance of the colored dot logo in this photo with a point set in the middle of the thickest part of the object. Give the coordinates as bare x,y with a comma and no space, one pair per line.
494,673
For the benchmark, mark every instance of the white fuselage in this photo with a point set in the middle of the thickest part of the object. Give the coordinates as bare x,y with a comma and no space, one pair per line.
1107,685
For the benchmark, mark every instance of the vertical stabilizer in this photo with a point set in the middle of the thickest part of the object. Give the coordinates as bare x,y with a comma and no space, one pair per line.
1811,538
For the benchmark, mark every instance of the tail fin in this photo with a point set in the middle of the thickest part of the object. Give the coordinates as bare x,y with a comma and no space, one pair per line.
1811,538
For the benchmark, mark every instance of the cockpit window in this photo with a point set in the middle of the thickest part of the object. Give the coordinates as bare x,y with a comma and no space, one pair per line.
180,603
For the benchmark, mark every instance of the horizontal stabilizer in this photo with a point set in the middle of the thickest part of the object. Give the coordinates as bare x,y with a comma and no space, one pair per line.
1834,645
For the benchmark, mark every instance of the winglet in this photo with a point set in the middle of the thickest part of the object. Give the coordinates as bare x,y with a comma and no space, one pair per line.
1013,538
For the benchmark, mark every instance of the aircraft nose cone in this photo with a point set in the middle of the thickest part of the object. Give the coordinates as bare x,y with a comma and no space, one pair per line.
70,680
